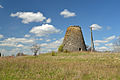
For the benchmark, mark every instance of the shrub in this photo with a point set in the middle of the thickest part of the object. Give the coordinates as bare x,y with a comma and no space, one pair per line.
20,54
13,55
65,51
53,53
60,49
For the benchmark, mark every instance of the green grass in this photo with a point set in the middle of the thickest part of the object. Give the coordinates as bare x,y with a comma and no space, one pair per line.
62,66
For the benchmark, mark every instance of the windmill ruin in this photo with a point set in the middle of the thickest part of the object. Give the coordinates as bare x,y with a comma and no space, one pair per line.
74,40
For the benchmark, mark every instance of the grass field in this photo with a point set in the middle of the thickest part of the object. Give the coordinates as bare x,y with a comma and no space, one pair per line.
63,66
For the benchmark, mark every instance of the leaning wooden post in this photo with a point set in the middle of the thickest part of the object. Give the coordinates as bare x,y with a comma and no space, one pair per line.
92,43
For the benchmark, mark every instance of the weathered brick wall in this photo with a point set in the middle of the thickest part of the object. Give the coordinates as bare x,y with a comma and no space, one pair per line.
73,40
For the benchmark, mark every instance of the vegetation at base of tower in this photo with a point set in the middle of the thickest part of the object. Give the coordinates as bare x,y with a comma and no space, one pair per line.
63,66
60,49
65,51
53,53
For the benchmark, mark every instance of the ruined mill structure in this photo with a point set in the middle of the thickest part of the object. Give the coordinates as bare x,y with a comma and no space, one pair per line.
74,40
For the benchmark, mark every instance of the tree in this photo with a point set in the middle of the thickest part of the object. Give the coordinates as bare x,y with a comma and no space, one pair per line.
35,49
20,54
116,45
60,49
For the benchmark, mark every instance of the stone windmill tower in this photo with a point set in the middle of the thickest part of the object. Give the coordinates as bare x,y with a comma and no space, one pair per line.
73,40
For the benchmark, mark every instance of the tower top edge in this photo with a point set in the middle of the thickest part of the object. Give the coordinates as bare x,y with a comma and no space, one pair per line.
75,26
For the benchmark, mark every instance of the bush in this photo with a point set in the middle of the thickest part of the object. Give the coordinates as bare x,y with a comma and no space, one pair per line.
66,51
20,54
60,49
53,53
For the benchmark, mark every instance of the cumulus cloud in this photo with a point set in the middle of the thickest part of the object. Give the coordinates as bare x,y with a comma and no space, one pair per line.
48,40
96,27
1,36
96,44
43,44
27,35
51,46
8,44
111,38
11,45
1,6
100,41
17,40
44,30
102,48
40,39
20,45
28,17
109,44
67,13
48,20
106,39
106,42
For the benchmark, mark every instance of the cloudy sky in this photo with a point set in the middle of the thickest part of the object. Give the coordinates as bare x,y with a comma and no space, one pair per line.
25,22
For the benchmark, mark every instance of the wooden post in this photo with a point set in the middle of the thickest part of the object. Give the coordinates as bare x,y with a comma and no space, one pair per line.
92,43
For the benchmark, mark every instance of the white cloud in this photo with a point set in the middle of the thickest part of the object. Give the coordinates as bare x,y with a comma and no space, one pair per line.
1,36
100,41
67,13
110,38
43,44
28,17
40,39
17,40
95,27
102,48
106,39
8,44
44,30
96,44
48,20
52,46
1,6
11,45
109,44
48,40
27,35
20,45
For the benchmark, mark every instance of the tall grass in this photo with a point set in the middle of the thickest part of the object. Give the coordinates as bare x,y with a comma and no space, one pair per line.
63,66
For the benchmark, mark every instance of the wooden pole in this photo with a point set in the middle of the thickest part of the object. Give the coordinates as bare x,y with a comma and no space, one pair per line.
92,43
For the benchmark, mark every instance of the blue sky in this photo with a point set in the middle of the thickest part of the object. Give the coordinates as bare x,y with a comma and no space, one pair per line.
24,22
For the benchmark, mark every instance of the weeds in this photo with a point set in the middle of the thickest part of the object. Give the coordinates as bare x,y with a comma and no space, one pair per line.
64,66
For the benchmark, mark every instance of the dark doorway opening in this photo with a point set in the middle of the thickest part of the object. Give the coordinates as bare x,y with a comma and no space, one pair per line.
79,49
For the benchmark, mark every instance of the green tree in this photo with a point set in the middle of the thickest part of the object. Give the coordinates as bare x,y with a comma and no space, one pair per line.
60,49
